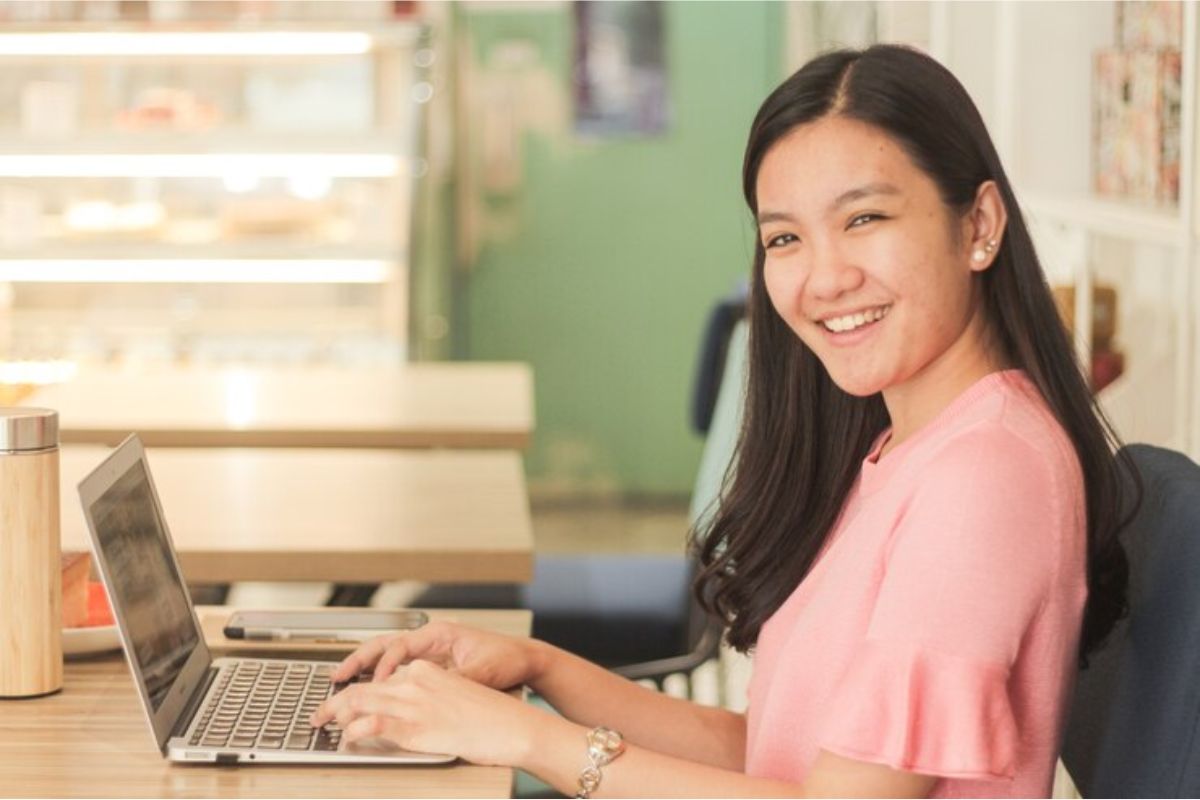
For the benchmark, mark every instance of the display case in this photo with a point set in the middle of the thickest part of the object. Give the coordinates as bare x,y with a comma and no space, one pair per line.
216,190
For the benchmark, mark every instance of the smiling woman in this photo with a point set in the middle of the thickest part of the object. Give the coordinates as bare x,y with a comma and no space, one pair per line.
925,501
917,536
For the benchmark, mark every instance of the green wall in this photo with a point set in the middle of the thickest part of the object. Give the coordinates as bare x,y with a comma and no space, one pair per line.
618,250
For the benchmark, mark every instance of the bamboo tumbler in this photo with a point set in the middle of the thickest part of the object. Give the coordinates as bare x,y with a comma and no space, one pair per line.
31,661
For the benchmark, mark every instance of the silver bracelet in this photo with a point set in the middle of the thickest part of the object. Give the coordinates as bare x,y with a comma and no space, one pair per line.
604,745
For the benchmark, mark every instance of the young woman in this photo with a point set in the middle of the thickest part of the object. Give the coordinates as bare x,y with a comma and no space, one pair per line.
918,537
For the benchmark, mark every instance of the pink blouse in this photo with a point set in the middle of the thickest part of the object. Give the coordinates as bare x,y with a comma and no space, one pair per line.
938,630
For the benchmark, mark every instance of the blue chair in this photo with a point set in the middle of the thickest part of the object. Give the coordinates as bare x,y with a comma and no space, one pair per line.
1134,729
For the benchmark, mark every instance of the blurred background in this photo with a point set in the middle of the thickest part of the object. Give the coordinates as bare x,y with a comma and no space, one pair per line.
366,182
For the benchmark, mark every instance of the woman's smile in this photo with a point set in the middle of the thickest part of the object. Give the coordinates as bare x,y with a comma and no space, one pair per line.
848,322
853,329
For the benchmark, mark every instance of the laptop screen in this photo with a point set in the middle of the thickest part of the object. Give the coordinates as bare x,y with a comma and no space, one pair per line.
150,591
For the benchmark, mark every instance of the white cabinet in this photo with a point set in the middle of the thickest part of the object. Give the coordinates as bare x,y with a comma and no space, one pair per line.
208,192
1029,66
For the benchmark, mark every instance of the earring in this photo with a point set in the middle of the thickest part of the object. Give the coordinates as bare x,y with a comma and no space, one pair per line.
979,256
991,245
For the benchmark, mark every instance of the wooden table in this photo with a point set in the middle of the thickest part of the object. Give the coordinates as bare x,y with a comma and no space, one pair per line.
92,740
448,404
353,516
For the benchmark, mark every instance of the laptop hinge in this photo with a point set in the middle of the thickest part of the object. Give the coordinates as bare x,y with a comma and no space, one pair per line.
189,711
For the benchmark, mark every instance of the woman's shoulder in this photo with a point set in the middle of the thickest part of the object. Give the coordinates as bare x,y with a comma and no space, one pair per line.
1008,461
1012,430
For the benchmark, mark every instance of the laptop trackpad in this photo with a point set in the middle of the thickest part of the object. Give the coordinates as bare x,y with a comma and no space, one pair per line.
373,746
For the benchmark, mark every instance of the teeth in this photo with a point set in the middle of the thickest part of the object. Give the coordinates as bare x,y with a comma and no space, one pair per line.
852,321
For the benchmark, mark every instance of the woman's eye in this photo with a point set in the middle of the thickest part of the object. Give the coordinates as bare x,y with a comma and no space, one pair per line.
782,240
862,219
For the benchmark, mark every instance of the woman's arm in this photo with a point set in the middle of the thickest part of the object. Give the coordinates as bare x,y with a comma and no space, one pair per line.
579,689
430,709
556,749
591,695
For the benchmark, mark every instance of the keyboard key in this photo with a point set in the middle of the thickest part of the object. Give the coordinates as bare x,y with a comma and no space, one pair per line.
326,740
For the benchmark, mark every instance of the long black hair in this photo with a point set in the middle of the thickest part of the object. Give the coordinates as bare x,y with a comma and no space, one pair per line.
803,438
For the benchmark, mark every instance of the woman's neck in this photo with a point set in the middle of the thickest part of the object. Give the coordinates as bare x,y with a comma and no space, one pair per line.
916,402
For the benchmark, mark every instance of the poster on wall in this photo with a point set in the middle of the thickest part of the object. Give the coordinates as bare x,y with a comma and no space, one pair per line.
620,76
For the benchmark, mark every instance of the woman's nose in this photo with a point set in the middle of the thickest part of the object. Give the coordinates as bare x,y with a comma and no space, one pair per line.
831,274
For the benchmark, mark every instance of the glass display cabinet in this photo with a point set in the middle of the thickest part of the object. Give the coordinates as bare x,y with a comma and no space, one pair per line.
209,190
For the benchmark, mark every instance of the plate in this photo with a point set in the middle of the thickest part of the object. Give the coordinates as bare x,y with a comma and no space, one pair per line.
90,641
99,635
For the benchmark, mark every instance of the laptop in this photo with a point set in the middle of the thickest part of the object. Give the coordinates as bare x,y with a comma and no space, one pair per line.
200,708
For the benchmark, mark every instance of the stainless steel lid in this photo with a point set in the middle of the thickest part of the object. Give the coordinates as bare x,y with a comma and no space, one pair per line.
28,429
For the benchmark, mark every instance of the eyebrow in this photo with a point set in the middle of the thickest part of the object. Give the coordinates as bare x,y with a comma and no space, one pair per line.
858,193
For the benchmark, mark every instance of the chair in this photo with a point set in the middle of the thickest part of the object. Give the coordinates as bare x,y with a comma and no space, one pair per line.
1133,728
636,613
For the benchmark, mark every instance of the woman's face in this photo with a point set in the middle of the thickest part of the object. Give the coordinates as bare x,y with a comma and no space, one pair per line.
863,259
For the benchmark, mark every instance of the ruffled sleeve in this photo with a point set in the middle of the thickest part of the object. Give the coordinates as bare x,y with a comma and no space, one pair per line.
923,711
967,571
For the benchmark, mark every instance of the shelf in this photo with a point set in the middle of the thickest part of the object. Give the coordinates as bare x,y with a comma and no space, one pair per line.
1140,415
212,323
196,270
201,165
218,141
1139,223
88,249
36,373
130,40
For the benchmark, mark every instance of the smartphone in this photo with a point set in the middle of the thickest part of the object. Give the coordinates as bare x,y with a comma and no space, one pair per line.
334,625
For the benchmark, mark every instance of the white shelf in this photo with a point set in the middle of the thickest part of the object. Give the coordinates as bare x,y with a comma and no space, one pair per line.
202,165
1138,223
1045,131
267,248
112,40
196,270
1140,415
204,143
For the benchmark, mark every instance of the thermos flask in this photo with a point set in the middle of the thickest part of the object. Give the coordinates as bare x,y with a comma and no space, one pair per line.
31,661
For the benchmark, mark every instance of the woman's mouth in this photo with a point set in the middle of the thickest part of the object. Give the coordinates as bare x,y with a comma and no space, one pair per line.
852,322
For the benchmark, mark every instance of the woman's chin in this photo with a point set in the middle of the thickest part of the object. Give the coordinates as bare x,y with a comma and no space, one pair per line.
858,385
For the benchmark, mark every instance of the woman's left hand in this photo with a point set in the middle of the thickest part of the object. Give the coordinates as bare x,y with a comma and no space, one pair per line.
424,707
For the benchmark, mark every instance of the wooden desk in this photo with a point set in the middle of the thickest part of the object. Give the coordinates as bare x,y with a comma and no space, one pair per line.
354,516
92,740
468,405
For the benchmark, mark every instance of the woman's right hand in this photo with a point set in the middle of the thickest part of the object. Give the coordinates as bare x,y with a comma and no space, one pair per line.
491,659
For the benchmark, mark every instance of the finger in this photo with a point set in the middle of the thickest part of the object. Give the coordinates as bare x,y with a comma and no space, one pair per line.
371,726
407,647
371,700
352,702
323,714
393,657
334,705
361,659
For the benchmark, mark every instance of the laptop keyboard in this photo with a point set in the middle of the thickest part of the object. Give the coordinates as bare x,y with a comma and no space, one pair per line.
266,705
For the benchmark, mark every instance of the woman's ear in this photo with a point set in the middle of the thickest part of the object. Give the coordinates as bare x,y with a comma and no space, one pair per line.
985,226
